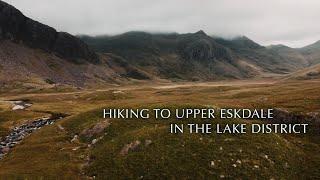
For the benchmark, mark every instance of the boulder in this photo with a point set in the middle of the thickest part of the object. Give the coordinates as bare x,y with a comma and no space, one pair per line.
75,139
5,150
18,107
130,147
148,142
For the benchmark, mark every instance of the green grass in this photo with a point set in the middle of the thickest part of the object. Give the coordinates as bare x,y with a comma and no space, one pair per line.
185,156
106,95
11,118
48,153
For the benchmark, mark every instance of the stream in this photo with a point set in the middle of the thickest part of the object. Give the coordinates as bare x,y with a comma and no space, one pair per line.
17,134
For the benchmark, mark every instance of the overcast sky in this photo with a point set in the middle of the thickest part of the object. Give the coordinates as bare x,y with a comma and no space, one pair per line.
291,22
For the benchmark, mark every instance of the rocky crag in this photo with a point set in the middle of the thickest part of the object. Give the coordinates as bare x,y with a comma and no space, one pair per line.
21,29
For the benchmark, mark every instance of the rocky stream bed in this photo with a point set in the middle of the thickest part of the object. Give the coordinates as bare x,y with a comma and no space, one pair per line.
17,134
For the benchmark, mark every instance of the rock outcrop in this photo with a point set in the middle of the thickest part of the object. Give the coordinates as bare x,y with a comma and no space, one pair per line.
201,47
19,28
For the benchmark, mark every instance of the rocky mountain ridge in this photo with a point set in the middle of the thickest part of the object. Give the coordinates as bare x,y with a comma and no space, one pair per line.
34,52
19,28
198,56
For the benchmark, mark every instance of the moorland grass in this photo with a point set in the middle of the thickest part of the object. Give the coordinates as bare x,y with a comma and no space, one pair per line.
48,153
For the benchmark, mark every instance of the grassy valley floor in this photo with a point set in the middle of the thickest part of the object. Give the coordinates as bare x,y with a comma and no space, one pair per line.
84,145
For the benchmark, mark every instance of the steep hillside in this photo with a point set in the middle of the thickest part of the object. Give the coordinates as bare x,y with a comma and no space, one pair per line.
45,56
273,59
197,56
314,46
16,27
290,56
312,72
22,66
36,55
192,56
311,52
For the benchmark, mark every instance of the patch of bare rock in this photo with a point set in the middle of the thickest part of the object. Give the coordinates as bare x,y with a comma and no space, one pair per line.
96,129
133,146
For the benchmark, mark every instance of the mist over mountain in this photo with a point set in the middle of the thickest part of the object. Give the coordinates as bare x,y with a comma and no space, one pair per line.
18,28
187,56
198,56
34,53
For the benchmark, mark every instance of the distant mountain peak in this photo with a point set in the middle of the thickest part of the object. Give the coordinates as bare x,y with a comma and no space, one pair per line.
241,38
201,32
277,46
313,46
317,42
245,42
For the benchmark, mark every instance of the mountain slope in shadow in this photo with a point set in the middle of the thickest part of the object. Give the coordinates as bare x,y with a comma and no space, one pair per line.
198,56
36,55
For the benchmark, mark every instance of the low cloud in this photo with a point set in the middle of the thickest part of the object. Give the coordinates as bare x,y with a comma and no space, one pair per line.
289,22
